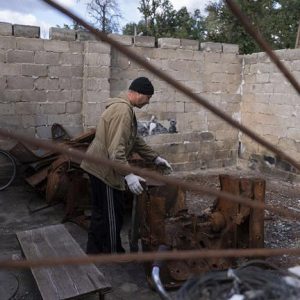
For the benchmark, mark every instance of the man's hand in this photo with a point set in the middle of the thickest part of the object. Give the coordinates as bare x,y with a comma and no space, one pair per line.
162,162
133,182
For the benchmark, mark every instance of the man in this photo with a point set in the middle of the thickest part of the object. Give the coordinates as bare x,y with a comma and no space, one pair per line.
116,138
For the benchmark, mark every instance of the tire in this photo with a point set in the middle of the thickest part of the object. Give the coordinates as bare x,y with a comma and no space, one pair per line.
8,169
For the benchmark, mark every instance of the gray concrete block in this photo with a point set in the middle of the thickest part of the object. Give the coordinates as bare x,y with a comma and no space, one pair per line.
76,83
7,108
125,40
10,69
53,108
189,44
29,44
27,108
11,96
144,41
77,95
34,96
7,42
73,107
230,48
44,132
65,71
49,58
97,47
211,47
59,96
76,47
62,34
26,31
34,120
20,56
82,35
168,43
46,84
2,56
73,59
57,46
34,70
6,28
18,82
97,59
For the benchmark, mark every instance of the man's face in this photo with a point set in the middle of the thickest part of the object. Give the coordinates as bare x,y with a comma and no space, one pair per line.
140,100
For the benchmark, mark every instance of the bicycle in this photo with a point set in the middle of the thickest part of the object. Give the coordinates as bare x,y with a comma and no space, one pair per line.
8,169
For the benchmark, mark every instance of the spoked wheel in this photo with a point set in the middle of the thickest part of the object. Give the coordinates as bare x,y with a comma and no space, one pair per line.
8,169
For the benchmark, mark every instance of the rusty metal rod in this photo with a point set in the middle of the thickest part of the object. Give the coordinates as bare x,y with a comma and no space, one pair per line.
262,43
78,155
182,88
147,256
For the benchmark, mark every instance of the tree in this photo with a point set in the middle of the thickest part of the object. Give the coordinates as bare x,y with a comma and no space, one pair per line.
105,14
276,21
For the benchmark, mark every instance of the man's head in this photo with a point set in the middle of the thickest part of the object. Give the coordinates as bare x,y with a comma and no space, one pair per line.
140,91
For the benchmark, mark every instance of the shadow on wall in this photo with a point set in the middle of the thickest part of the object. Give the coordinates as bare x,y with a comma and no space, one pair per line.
154,127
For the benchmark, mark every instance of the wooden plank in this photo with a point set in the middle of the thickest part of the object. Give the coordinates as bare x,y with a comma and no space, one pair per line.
62,282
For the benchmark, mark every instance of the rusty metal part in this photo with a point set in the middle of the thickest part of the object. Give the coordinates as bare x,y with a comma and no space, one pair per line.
178,85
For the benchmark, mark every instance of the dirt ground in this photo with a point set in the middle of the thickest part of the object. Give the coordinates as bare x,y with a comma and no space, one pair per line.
128,280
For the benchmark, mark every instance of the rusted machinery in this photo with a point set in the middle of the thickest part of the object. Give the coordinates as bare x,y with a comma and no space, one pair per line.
164,220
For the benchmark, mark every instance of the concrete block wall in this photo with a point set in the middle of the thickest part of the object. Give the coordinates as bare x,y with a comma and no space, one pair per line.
270,106
203,140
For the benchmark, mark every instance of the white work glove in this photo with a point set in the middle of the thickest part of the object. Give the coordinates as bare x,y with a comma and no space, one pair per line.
133,182
162,162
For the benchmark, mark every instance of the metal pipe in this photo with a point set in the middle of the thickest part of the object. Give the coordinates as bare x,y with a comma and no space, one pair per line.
158,284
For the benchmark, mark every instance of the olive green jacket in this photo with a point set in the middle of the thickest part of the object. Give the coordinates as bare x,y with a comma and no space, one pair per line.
115,139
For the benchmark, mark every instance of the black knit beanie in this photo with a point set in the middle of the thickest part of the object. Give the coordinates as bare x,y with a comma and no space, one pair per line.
142,85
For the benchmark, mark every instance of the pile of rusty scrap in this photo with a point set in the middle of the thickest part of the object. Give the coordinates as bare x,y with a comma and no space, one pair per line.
56,176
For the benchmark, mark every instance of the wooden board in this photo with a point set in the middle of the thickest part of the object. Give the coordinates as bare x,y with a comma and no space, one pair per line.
61,282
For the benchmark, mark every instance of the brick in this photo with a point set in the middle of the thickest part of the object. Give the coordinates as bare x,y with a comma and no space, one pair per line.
7,42
125,40
5,28
73,107
189,44
144,41
57,46
20,56
46,84
18,82
75,59
10,69
230,48
168,43
34,70
211,47
62,34
26,31
43,57
29,44
82,35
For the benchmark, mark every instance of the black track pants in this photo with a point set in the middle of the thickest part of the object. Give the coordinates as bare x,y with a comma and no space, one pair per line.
106,219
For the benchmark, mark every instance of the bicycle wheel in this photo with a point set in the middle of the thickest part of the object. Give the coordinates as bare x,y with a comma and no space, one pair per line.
8,169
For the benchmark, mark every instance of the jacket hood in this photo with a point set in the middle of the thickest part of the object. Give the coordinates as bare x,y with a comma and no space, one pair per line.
122,98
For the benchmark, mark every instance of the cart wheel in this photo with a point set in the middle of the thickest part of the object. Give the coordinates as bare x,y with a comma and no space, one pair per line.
8,169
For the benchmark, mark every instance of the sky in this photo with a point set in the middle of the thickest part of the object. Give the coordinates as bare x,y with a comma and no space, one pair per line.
36,12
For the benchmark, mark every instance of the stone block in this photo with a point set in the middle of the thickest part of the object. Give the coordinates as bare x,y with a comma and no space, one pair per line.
211,47
97,47
168,43
7,108
62,34
6,28
33,96
76,47
97,59
29,44
65,119
27,108
26,31
34,120
57,46
20,56
189,44
64,83
144,41
73,107
96,84
10,69
99,72
11,96
19,82
65,71
46,84
230,48
59,96
73,59
125,40
77,95
49,58
82,35
76,83
51,108
34,70
7,42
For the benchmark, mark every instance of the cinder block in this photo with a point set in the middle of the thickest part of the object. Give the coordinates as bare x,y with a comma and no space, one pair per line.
62,34
44,132
7,108
189,44
34,120
74,59
18,82
7,42
73,107
50,108
57,46
5,28
97,47
168,43
29,44
46,84
97,59
26,31
82,35
27,108
11,96
34,70
144,41
48,58
10,69
125,40
20,56
34,96
211,47
230,48
59,96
